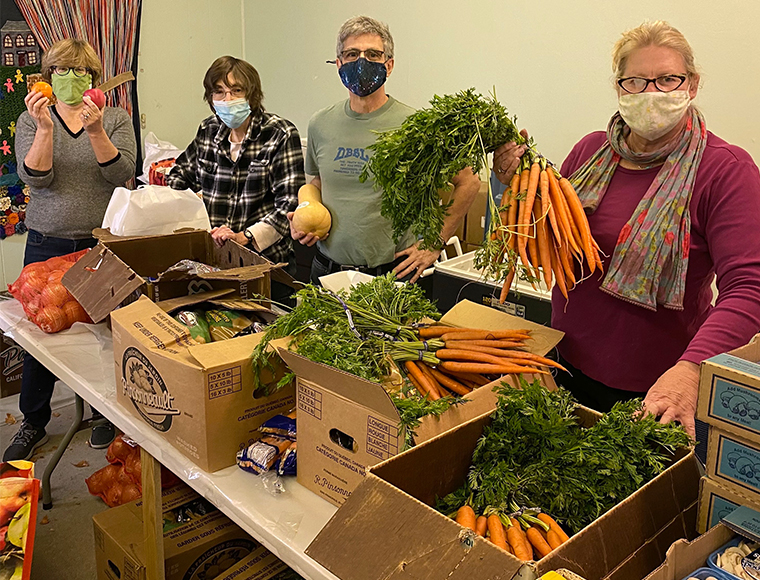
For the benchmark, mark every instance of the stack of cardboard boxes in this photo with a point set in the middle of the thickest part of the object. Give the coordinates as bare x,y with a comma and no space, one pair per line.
729,401
200,542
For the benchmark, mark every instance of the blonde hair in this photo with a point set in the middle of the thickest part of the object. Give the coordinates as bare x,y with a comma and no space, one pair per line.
656,33
72,53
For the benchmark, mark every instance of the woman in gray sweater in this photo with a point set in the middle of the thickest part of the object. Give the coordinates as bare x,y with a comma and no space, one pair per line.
71,155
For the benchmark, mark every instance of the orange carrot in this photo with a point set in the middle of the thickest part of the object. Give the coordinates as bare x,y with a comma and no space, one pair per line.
512,354
496,531
490,369
553,539
597,258
466,517
449,383
512,214
542,237
558,200
420,389
538,542
435,330
475,378
492,343
551,522
507,285
567,266
519,542
481,526
559,273
475,334
447,354
533,249
414,371
579,217
432,380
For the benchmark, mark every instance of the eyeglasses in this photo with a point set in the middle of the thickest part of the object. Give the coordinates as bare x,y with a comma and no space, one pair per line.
235,92
371,54
79,71
664,83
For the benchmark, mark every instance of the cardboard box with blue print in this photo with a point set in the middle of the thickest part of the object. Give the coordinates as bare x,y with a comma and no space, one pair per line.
199,397
733,461
729,392
716,501
119,269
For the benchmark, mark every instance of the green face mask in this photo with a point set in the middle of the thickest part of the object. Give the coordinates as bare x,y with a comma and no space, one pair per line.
70,88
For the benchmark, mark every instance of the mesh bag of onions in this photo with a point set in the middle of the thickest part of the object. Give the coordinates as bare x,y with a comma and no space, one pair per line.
46,301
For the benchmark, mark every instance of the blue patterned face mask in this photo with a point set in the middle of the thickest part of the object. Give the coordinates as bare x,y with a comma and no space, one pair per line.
363,77
233,113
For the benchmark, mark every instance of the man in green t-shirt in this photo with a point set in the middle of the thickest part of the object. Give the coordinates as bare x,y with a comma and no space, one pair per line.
360,238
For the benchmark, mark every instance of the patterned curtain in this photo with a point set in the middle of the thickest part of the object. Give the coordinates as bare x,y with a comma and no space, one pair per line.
110,26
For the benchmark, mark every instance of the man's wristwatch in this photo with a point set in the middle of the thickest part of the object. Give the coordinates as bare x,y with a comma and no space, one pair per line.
248,236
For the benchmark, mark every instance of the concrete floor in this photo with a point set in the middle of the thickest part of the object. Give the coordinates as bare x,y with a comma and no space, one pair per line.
64,546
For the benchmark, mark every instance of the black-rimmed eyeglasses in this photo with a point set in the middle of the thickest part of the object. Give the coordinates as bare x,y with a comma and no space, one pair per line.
371,54
664,83
79,71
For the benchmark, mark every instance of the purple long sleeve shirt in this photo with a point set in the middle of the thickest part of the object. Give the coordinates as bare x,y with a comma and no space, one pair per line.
628,347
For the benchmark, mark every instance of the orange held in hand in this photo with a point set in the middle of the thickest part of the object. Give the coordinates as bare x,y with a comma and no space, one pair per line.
44,88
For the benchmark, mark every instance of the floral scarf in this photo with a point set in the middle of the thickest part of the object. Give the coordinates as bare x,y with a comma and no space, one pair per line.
649,263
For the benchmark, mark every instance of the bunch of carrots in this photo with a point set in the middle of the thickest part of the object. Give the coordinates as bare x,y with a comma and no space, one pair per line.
469,356
527,536
541,221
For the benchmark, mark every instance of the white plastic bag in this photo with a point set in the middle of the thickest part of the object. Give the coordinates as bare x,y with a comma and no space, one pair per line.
154,210
156,150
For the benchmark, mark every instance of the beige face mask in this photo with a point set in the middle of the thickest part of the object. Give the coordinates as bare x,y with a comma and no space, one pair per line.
652,115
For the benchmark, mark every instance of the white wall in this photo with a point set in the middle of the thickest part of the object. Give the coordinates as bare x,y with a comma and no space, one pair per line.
548,60
179,39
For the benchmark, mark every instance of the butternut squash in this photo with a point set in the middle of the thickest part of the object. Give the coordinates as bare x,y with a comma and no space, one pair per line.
311,216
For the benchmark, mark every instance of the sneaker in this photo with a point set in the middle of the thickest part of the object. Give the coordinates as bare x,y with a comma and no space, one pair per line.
102,435
27,439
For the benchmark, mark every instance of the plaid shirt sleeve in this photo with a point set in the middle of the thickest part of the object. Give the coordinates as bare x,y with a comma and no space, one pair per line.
287,177
183,175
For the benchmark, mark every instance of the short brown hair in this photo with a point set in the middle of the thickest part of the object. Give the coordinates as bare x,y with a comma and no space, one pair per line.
245,75
72,53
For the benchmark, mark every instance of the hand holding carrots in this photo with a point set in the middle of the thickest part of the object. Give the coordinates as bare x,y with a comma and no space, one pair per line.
506,159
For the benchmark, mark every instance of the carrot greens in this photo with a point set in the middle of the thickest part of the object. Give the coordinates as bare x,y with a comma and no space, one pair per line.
536,453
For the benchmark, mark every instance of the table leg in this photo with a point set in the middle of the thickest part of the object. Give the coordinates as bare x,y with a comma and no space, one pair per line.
47,500
153,517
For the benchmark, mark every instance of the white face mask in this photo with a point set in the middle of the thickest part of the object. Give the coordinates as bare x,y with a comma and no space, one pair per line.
651,115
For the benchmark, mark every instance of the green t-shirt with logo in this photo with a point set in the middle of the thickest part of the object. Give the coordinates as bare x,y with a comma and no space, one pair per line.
337,152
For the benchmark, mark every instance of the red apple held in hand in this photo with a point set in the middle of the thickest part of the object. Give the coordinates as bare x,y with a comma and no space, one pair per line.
98,97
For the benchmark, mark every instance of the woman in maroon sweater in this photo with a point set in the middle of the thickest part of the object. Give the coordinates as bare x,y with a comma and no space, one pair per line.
671,205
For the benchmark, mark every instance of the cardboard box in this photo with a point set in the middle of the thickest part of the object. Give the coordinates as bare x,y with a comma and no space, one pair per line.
118,269
206,544
200,397
729,391
260,564
475,222
684,556
387,523
11,367
346,424
716,501
733,461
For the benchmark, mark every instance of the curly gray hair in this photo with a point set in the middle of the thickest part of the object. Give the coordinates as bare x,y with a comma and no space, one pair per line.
359,25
